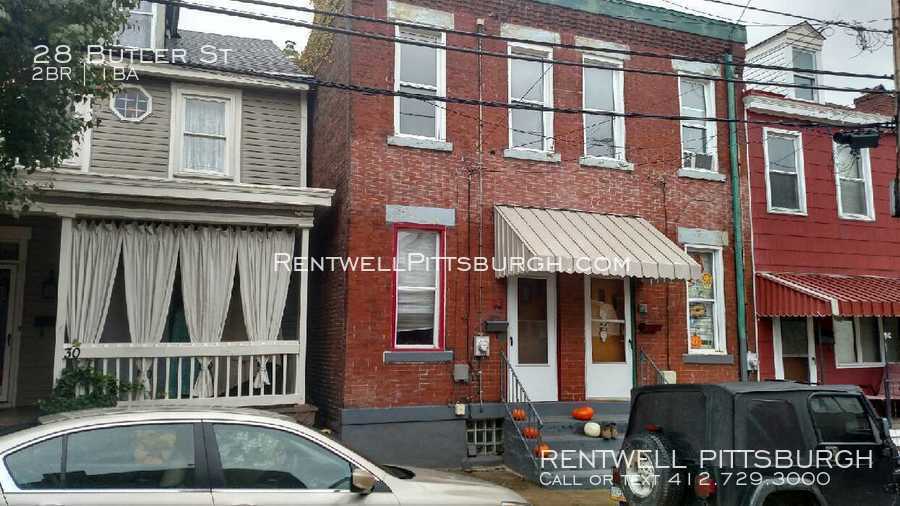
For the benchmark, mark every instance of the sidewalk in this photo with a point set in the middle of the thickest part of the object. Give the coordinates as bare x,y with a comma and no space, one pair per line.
543,497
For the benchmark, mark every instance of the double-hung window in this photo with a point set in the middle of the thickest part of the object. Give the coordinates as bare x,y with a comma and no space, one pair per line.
698,136
602,91
139,30
784,171
853,174
804,61
419,289
420,70
857,342
206,132
530,85
705,303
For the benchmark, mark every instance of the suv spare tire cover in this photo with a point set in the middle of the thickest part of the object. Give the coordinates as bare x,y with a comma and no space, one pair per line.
646,471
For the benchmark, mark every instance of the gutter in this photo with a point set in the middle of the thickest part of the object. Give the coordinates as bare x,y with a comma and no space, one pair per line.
737,219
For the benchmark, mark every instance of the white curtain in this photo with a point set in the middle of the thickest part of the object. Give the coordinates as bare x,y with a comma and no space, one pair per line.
149,257
207,278
263,287
95,259
206,151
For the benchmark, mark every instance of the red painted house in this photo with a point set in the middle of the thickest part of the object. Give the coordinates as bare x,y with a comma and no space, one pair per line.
624,228
826,242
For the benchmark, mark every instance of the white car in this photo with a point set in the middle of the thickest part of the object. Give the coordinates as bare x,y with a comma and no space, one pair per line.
210,458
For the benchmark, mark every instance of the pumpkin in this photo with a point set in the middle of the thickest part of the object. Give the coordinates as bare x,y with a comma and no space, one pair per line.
542,450
518,414
592,429
696,341
584,413
531,432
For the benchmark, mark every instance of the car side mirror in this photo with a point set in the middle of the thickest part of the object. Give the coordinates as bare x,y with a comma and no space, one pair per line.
362,481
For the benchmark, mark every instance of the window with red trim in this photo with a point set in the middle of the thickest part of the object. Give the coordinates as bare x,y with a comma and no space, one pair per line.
418,288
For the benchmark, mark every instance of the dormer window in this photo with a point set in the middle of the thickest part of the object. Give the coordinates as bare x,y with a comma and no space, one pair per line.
804,61
139,31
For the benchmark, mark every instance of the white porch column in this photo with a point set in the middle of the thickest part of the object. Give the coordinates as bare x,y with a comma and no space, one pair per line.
303,296
62,295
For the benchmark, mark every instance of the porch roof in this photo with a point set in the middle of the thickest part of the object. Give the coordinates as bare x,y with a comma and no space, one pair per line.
529,240
794,294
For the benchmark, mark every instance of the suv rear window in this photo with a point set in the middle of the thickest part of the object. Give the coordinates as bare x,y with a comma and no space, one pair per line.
680,414
772,424
841,419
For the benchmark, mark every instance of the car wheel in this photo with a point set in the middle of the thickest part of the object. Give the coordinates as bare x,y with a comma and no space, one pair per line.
646,470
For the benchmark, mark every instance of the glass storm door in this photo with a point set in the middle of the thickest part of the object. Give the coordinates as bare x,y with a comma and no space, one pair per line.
7,291
532,334
794,349
608,352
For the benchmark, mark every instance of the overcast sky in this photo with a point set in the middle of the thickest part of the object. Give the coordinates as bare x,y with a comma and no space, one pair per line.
841,52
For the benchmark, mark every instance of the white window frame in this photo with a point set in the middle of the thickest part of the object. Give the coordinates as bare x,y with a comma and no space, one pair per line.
438,341
232,99
709,94
153,13
112,103
618,104
440,129
718,302
858,346
800,174
532,51
813,76
866,169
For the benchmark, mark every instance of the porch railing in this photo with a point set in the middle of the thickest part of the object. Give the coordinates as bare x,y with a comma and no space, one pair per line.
648,372
520,409
220,374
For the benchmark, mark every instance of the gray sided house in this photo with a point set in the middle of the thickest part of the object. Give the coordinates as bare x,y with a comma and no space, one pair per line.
150,254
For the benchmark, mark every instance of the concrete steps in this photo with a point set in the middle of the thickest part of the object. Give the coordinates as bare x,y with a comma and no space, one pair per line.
582,462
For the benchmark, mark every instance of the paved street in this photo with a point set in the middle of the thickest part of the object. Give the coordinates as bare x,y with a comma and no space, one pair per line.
544,497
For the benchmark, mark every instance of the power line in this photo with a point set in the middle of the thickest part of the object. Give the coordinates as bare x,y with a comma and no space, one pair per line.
438,46
844,24
403,24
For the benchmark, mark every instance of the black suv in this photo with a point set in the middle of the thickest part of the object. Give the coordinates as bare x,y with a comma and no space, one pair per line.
755,444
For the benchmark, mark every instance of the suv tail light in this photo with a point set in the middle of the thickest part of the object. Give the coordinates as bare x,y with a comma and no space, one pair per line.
704,485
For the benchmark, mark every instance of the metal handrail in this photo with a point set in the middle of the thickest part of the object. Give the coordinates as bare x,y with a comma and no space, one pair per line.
643,357
514,396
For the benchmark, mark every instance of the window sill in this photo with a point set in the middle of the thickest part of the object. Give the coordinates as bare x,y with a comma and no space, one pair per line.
535,156
202,175
861,365
707,358
705,175
419,143
418,357
855,217
606,163
789,212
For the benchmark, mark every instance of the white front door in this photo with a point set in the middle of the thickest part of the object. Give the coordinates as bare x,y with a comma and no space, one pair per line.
607,332
532,334
795,351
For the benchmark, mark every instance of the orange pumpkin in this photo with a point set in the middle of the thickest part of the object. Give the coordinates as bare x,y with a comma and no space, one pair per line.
584,413
531,432
518,414
542,450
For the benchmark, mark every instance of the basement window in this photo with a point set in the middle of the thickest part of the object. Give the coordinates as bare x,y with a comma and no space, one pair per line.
484,438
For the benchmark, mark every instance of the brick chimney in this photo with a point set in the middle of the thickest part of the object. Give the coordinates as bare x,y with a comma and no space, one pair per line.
878,103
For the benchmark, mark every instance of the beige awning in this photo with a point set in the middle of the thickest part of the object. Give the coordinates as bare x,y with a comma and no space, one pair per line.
530,240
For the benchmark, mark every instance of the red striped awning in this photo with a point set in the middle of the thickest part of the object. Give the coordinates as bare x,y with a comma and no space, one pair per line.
791,294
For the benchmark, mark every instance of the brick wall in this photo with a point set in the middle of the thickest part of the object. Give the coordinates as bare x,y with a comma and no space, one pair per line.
382,174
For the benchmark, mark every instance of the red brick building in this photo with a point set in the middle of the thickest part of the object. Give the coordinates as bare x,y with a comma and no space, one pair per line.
826,244
393,353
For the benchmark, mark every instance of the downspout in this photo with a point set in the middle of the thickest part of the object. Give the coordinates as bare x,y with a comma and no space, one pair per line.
737,218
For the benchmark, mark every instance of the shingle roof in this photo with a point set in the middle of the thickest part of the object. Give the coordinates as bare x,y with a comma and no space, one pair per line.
244,54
